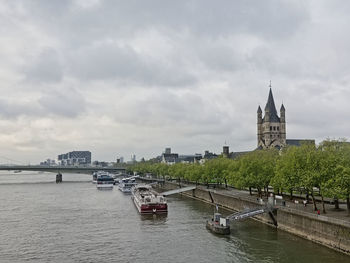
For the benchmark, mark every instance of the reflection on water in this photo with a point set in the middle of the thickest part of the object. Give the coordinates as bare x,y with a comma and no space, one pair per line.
27,177
154,218
74,222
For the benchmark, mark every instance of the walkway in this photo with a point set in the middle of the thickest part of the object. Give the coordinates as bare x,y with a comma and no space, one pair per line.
297,203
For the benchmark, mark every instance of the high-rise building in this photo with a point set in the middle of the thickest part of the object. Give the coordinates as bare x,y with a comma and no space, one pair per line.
75,158
167,150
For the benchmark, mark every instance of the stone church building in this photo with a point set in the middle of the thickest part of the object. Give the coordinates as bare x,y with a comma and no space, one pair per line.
272,128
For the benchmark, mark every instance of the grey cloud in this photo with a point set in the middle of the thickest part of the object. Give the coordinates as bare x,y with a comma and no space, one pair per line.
68,104
188,114
220,57
80,29
44,68
110,61
269,19
197,87
11,109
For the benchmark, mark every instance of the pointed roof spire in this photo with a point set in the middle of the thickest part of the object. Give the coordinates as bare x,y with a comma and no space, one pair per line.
259,109
282,108
270,106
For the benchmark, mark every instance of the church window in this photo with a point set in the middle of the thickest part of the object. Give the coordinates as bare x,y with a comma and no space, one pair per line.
274,128
278,128
270,128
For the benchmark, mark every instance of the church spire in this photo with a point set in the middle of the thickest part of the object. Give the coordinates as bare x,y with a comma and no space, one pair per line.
271,108
259,110
282,108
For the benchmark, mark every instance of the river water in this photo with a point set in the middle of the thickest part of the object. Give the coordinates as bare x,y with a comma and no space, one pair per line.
41,221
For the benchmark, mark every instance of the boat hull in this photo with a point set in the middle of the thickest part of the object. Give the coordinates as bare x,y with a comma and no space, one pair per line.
146,209
125,189
104,186
218,229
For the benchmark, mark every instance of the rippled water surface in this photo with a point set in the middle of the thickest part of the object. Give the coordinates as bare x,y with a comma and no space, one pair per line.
41,221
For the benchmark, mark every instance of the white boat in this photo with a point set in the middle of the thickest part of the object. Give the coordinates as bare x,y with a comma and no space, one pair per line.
148,201
104,181
125,184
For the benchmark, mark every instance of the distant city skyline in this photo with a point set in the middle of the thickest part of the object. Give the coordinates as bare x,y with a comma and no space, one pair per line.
134,77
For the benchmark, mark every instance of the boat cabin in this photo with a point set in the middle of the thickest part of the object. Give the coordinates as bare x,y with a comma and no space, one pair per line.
222,221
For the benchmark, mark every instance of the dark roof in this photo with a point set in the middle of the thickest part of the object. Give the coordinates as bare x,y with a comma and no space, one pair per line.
270,106
259,110
282,108
299,142
170,159
170,155
209,155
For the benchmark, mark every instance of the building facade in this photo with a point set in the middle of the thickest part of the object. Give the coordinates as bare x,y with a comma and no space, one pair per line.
172,158
271,129
75,158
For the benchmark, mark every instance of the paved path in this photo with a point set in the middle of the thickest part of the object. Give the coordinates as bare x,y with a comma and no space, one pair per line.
297,203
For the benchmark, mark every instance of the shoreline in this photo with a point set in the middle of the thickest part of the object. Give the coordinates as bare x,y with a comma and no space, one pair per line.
330,232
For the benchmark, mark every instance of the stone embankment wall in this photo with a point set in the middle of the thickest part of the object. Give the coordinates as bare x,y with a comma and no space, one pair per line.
327,231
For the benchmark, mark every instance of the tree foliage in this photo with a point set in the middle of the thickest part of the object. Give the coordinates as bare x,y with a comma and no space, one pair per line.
325,169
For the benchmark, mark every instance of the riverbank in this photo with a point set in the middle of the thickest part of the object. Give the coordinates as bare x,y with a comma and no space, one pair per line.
326,230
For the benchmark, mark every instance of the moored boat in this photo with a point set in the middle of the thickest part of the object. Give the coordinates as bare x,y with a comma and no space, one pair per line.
219,225
126,184
104,181
148,201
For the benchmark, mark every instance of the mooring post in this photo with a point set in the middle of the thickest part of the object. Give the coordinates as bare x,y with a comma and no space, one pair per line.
58,178
211,197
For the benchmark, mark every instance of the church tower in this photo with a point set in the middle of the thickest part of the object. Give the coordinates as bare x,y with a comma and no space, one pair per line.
271,128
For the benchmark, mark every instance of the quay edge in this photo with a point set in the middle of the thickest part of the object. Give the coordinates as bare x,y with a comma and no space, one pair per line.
332,233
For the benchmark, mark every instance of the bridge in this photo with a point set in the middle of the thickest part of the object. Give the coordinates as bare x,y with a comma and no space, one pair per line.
253,212
245,214
61,169
178,190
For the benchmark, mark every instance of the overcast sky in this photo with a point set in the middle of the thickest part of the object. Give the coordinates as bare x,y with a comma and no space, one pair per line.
133,77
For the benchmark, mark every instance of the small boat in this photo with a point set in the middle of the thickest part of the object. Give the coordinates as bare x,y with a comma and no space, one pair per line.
17,171
126,184
148,201
104,181
219,225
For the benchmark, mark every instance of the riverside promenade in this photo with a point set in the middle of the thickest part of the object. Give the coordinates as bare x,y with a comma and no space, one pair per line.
331,229
296,203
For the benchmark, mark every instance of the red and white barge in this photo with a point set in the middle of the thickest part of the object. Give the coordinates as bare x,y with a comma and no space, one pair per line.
148,201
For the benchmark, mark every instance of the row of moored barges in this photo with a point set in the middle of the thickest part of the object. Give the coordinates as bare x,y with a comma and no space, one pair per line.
146,200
